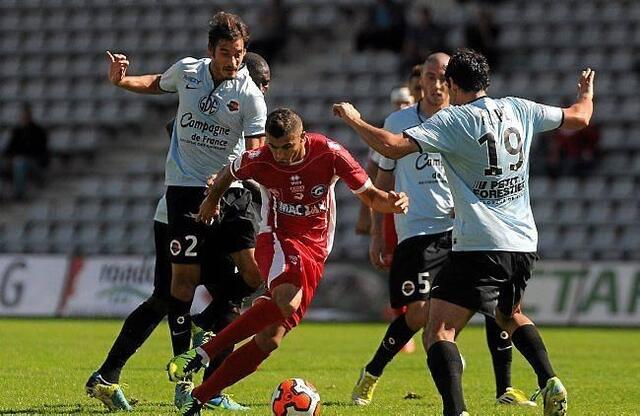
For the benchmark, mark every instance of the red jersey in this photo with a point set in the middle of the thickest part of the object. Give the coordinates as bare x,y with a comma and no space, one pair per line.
298,200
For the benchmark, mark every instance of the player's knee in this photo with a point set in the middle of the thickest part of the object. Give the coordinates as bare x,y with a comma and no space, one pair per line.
287,298
268,342
248,267
416,315
183,290
157,304
286,308
505,322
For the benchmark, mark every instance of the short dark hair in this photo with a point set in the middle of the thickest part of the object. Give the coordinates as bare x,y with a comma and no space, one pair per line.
469,70
227,26
281,122
257,66
416,71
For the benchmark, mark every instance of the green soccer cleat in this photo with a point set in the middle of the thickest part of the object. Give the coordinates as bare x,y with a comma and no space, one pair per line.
199,336
182,393
362,393
110,394
515,397
182,366
224,401
554,396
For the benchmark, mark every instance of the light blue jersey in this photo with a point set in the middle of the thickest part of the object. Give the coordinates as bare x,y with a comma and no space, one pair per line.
161,214
421,176
485,145
211,123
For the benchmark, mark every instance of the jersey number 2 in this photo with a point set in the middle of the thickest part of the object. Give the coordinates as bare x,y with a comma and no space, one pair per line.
494,169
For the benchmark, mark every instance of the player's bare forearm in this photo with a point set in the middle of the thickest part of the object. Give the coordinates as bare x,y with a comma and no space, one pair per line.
385,202
141,84
222,182
578,116
393,146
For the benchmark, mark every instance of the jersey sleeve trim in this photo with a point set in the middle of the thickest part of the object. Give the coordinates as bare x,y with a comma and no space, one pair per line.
561,120
368,184
165,91
406,134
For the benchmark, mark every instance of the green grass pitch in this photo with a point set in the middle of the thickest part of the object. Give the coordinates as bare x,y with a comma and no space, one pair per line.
46,362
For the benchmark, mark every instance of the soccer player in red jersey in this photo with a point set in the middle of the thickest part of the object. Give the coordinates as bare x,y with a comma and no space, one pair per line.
297,172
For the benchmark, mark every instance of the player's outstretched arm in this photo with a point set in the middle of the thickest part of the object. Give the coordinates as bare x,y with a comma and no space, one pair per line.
142,84
579,114
393,146
210,206
386,202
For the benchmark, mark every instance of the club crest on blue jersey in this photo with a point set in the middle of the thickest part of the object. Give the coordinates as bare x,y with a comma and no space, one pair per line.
209,104
233,106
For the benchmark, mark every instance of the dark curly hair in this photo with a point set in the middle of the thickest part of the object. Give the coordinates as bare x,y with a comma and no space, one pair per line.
469,70
227,26
281,122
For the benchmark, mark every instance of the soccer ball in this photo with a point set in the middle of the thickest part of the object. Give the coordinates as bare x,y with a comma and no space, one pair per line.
295,397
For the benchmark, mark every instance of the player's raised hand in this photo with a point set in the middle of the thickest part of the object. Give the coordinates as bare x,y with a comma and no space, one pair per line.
585,84
346,111
118,65
400,202
209,210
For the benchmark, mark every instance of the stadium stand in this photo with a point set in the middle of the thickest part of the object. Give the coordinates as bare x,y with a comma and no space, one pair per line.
109,146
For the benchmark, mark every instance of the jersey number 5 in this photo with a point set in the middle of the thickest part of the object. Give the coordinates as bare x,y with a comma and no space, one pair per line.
494,169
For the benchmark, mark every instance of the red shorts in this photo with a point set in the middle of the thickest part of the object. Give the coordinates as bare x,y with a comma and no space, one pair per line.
289,261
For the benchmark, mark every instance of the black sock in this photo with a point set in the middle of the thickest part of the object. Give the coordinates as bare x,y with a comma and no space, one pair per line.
527,340
224,312
179,325
398,334
499,344
445,364
136,329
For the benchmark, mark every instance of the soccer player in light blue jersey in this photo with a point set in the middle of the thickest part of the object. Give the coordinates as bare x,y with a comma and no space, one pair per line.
485,145
424,236
221,111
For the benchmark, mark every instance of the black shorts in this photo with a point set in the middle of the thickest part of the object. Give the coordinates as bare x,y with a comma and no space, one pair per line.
416,261
219,274
237,225
483,280
186,236
233,230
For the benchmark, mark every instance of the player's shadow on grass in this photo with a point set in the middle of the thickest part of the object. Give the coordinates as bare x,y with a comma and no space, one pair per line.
77,409
55,409
337,403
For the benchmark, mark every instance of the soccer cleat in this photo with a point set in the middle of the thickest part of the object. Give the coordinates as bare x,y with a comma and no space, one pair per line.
190,407
182,393
183,365
362,393
110,394
199,336
515,397
554,397
224,401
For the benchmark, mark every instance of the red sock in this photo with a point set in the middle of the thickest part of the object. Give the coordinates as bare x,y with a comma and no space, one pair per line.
242,362
254,320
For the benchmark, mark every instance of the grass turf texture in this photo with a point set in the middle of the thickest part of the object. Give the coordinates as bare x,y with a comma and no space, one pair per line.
45,364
